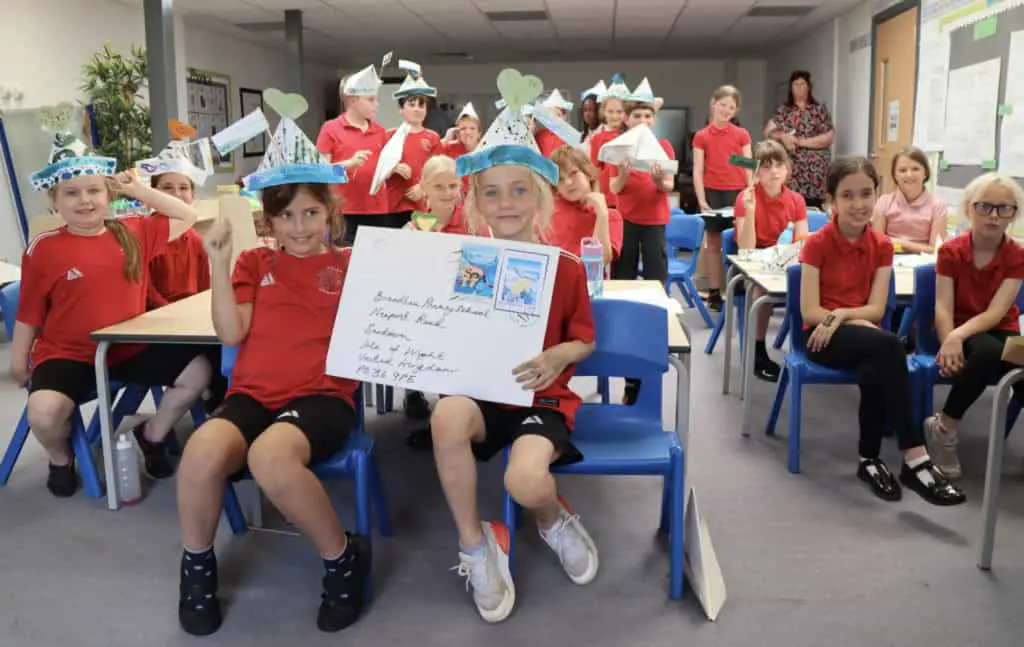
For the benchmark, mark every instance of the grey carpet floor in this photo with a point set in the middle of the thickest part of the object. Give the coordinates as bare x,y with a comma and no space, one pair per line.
809,560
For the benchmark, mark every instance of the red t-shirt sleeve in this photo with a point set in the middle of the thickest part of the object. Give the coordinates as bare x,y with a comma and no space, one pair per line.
700,140
667,147
246,278
886,252
615,227
153,233
946,262
799,211
1015,266
34,289
812,252
745,137
326,143
580,326
202,265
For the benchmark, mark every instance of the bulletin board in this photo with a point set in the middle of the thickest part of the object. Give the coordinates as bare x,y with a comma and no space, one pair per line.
209,107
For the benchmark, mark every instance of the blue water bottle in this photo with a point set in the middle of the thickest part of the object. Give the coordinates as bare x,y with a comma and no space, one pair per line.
593,261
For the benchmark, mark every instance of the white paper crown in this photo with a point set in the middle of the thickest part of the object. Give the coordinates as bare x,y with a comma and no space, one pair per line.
363,83
413,85
597,91
643,93
468,111
194,160
616,90
556,101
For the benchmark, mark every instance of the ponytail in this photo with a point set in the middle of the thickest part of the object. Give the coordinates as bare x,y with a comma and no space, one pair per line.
132,249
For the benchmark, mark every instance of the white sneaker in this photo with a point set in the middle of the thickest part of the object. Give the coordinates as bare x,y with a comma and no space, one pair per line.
573,545
493,590
942,447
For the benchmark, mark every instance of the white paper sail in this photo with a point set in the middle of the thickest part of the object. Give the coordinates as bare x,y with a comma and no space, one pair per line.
562,128
390,157
701,566
641,148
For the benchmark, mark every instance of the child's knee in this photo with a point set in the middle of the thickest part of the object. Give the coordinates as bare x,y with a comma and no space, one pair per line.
456,420
211,454
49,411
528,484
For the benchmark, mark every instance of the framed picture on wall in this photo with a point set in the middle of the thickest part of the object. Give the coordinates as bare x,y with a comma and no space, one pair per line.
209,107
251,100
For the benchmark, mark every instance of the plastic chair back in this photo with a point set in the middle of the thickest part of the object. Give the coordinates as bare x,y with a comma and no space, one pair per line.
729,247
9,297
621,352
684,231
816,220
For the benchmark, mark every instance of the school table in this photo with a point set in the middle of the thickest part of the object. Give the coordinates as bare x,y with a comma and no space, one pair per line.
994,464
9,273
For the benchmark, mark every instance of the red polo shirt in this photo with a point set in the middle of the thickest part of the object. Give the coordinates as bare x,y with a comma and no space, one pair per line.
718,144
418,148
641,202
974,288
772,215
571,222
599,139
341,140
548,142
846,268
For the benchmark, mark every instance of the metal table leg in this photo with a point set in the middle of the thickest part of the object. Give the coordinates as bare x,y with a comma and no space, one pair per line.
766,301
748,303
103,410
994,465
730,322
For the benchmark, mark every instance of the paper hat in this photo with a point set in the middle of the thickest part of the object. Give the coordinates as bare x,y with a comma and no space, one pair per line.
555,101
364,83
508,139
467,112
291,157
560,127
643,93
413,85
194,160
597,91
69,157
616,90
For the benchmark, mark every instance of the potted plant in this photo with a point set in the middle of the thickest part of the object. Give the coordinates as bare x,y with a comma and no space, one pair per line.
114,84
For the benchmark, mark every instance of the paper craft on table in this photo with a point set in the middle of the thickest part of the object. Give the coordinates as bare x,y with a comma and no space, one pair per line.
971,105
248,127
428,329
390,156
1011,132
641,148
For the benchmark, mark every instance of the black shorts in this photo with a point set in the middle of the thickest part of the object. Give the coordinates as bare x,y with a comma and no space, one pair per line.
156,365
503,425
324,420
719,199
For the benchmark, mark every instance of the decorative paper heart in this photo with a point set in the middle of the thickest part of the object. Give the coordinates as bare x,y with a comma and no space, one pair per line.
518,90
180,130
424,221
291,105
56,119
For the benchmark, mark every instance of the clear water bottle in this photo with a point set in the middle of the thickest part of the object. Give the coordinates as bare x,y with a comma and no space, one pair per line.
126,459
593,261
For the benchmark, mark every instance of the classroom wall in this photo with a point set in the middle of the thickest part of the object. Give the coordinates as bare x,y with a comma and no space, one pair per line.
814,52
854,87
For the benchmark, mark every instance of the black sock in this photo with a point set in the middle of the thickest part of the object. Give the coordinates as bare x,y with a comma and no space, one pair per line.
714,292
198,575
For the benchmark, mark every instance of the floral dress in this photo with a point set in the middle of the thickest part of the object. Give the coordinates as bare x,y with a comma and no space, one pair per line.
810,166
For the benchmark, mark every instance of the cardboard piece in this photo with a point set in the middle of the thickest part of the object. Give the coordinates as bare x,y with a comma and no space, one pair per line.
701,564
243,229
641,148
1013,351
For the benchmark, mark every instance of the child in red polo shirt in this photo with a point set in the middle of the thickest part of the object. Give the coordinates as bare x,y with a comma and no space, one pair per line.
464,137
354,140
978,277
580,209
611,105
847,266
716,182
763,212
183,269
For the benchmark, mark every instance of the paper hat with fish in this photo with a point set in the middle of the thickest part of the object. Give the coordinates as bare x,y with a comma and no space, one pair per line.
508,140
643,93
413,85
597,91
69,156
291,157
617,89
641,148
193,159
555,101
365,82
467,112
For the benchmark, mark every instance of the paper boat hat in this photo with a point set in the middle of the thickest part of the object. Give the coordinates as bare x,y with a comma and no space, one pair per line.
616,90
467,112
643,93
508,140
640,147
556,101
69,156
291,157
193,159
560,127
597,91
413,85
364,83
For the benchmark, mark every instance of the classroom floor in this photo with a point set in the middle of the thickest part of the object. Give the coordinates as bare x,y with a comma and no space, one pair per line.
809,560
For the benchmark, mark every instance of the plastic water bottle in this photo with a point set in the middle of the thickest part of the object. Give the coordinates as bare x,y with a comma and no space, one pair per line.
593,261
126,459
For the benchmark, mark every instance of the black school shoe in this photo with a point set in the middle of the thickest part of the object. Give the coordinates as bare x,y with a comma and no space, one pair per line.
931,484
62,481
155,456
766,369
715,302
345,586
883,484
199,611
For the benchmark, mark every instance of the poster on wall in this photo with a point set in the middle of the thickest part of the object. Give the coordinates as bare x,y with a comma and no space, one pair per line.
893,133
209,107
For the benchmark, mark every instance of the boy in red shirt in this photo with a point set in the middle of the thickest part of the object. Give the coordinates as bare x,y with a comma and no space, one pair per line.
716,182
354,140
763,212
465,136
978,278
580,209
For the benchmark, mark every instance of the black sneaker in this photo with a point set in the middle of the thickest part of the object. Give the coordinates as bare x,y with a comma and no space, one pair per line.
198,607
345,586
155,456
883,484
416,406
62,480
766,369
931,484
715,302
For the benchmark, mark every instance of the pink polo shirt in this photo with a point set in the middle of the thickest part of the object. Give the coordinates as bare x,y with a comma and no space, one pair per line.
910,220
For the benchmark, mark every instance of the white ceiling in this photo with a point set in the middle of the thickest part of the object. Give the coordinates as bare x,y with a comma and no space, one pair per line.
455,31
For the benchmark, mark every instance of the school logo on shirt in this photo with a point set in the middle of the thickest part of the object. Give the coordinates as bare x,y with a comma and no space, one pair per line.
330,279
533,420
74,273
268,279
291,413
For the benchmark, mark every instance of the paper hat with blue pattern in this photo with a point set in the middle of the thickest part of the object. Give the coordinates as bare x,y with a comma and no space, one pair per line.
617,89
643,93
508,140
413,85
597,91
291,157
364,83
69,156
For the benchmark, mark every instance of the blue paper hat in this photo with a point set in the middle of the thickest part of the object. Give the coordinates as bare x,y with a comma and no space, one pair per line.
69,157
508,139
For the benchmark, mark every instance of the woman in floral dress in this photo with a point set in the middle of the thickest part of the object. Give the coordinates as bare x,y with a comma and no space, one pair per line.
804,127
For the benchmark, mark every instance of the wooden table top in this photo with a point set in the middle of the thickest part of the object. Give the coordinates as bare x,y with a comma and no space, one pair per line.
9,273
183,322
774,283
678,339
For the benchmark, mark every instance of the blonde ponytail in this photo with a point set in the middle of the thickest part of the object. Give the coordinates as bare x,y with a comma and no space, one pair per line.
132,249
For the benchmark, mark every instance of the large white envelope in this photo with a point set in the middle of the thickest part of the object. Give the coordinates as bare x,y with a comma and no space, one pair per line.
641,148
390,157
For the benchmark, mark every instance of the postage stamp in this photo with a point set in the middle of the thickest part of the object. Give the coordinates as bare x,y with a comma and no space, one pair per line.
477,272
520,281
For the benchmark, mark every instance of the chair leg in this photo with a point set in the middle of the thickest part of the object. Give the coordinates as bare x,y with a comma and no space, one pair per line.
795,413
83,455
906,323
233,511
678,532
14,447
780,337
380,500
665,523
389,397
683,290
604,390
780,395
364,524
125,403
702,307
715,333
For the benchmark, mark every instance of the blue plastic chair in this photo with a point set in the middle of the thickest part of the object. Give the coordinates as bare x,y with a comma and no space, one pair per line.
928,344
815,221
729,247
630,440
355,461
803,372
9,296
685,232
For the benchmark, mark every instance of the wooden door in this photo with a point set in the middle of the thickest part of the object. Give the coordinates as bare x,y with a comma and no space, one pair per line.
895,63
